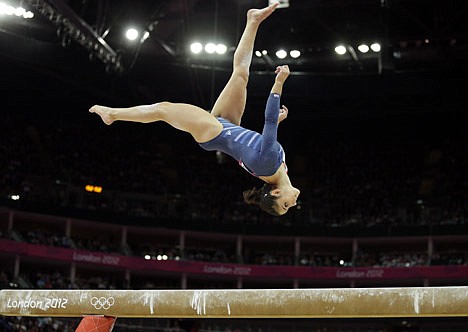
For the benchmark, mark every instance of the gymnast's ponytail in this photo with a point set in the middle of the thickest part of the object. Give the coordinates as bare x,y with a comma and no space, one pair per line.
262,197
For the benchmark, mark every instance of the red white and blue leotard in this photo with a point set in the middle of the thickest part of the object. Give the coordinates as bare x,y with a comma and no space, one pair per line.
259,154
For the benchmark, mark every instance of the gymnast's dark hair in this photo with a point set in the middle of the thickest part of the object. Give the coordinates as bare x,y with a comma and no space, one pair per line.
262,198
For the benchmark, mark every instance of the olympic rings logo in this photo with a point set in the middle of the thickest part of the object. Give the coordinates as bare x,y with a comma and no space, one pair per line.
102,302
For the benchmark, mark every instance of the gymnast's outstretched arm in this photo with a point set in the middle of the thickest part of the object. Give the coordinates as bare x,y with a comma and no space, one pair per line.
274,114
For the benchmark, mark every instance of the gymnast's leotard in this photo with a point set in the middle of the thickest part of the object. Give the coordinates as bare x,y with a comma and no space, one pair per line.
259,154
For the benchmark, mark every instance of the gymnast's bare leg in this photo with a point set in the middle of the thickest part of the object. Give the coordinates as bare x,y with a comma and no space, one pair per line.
189,118
231,102
202,125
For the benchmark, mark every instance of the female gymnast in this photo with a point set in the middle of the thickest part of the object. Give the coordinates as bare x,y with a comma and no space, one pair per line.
260,154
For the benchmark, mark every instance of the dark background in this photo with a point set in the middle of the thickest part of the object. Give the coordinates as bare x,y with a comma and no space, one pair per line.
412,92
420,69
349,116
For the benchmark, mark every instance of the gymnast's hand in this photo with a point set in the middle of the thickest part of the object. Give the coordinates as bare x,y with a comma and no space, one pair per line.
283,113
282,73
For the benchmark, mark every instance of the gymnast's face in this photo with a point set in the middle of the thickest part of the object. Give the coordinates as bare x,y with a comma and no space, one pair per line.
286,198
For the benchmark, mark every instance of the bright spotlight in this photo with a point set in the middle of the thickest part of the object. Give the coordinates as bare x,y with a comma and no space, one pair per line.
210,48
264,52
19,11
340,49
258,54
375,47
147,257
221,48
282,3
295,54
28,14
6,9
281,54
131,34
363,48
196,47
146,35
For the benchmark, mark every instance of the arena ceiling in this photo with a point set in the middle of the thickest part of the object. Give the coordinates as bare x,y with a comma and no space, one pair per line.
424,47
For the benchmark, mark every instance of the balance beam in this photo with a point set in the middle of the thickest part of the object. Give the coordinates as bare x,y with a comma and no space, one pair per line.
239,303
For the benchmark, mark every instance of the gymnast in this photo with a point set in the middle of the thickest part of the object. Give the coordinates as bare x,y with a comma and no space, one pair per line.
260,154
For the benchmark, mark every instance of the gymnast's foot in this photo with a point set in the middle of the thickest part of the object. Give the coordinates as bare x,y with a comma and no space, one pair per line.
258,15
104,112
